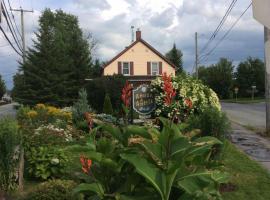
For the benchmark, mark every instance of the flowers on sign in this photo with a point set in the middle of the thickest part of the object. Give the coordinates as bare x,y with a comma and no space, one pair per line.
126,94
86,164
168,89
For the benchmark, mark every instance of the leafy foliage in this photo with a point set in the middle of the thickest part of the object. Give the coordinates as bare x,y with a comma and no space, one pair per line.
52,190
45,162
218,77
167,165
58,63
250,72
107,106
175,56
2,87
10,140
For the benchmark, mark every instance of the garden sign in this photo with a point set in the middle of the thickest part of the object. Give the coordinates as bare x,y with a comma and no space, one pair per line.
143,100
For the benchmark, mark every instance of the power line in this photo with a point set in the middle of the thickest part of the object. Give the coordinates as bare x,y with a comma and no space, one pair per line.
224,18
11,27
13,17
206,56
11,44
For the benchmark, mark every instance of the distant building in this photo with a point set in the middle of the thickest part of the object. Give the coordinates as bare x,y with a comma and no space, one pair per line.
140,62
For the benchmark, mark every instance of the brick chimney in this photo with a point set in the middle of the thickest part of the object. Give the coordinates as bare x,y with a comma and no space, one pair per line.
138,34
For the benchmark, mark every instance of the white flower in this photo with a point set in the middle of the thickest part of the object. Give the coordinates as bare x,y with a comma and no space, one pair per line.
55,161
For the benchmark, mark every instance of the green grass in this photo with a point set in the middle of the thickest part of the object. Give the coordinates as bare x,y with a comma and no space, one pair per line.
244,100
252,181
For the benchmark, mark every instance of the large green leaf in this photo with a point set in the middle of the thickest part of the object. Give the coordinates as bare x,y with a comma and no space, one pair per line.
141,197
92,187
153,150
151,173
114,131
137,130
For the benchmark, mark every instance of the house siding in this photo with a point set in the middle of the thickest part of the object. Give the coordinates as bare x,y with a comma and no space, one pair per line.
139,54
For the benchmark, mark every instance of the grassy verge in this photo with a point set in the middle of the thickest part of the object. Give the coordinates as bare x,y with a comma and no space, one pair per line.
252,181
244,100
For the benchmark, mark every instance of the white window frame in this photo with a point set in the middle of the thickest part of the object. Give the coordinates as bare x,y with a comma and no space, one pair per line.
157,72
128,68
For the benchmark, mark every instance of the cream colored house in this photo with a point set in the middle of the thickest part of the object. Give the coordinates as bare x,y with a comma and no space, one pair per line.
139,62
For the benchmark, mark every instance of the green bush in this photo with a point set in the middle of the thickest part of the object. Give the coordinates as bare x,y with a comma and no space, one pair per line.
80,107
10,140
211,122
107,106
45,162
99,87
52,190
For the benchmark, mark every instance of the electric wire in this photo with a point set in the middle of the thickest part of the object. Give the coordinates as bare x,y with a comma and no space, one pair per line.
13,17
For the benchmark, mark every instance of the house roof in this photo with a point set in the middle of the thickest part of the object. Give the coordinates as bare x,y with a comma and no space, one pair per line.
146,44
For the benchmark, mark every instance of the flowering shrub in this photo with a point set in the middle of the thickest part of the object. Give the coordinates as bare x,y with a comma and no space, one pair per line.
190,96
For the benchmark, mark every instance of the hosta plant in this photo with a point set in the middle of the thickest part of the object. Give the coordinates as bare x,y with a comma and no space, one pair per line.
134,162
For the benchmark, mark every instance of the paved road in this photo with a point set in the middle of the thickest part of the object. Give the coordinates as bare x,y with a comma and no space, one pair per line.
7,110
246,114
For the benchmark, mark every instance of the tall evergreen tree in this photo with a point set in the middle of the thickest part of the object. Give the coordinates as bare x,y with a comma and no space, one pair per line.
56,65
2,87
175,56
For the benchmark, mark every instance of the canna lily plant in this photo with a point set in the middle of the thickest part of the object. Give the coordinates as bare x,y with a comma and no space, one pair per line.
133,162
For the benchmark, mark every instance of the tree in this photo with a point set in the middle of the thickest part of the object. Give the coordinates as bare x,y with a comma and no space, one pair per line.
219,77
175,56
2,87
57,64
107,106
248,73
96,69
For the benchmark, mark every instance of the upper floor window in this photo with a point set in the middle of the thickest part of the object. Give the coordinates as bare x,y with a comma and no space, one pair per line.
154,68
126,68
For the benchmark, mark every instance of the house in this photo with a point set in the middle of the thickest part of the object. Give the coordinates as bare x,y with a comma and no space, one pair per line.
140,62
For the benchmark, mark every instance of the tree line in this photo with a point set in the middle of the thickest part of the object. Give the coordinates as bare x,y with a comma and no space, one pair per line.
223,77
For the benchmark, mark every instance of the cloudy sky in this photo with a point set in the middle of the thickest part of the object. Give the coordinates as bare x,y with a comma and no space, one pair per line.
162,23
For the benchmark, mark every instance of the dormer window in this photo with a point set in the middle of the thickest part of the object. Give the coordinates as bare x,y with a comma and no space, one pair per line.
154,68
126,68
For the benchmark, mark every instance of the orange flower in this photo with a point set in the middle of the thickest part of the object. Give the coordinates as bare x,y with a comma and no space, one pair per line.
86,164
188,102
126,94
168,89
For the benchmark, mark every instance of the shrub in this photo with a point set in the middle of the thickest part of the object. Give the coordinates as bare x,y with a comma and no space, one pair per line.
80,107
45,162
107,106
211,122
9,153
52,190
191,97
97,89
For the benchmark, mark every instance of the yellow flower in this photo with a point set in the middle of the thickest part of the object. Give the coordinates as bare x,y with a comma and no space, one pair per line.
32,114
40,106
53,110
67,115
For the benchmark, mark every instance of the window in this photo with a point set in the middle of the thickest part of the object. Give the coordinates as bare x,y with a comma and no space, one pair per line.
154,68
126,70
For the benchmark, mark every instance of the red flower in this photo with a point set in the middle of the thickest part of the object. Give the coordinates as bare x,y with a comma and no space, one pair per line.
126,94
188,102
168,89
89,120
86,164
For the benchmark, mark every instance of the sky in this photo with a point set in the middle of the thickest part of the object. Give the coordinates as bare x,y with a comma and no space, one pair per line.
162,22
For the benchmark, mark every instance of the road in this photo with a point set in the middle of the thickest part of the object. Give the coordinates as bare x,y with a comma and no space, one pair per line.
246,114
7,110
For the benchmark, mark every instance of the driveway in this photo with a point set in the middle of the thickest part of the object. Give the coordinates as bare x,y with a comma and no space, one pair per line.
7,110
246,114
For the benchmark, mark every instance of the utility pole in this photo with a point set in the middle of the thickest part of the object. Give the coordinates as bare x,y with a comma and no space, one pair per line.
267,77
22,27
196,55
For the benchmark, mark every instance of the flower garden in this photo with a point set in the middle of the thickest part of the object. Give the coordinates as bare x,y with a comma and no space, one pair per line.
75,153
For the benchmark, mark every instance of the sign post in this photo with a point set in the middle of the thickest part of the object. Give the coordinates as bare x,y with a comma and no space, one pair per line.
261,12
143,100
236,89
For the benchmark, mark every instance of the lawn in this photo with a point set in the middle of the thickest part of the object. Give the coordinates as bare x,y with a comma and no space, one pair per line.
244,100
252,181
